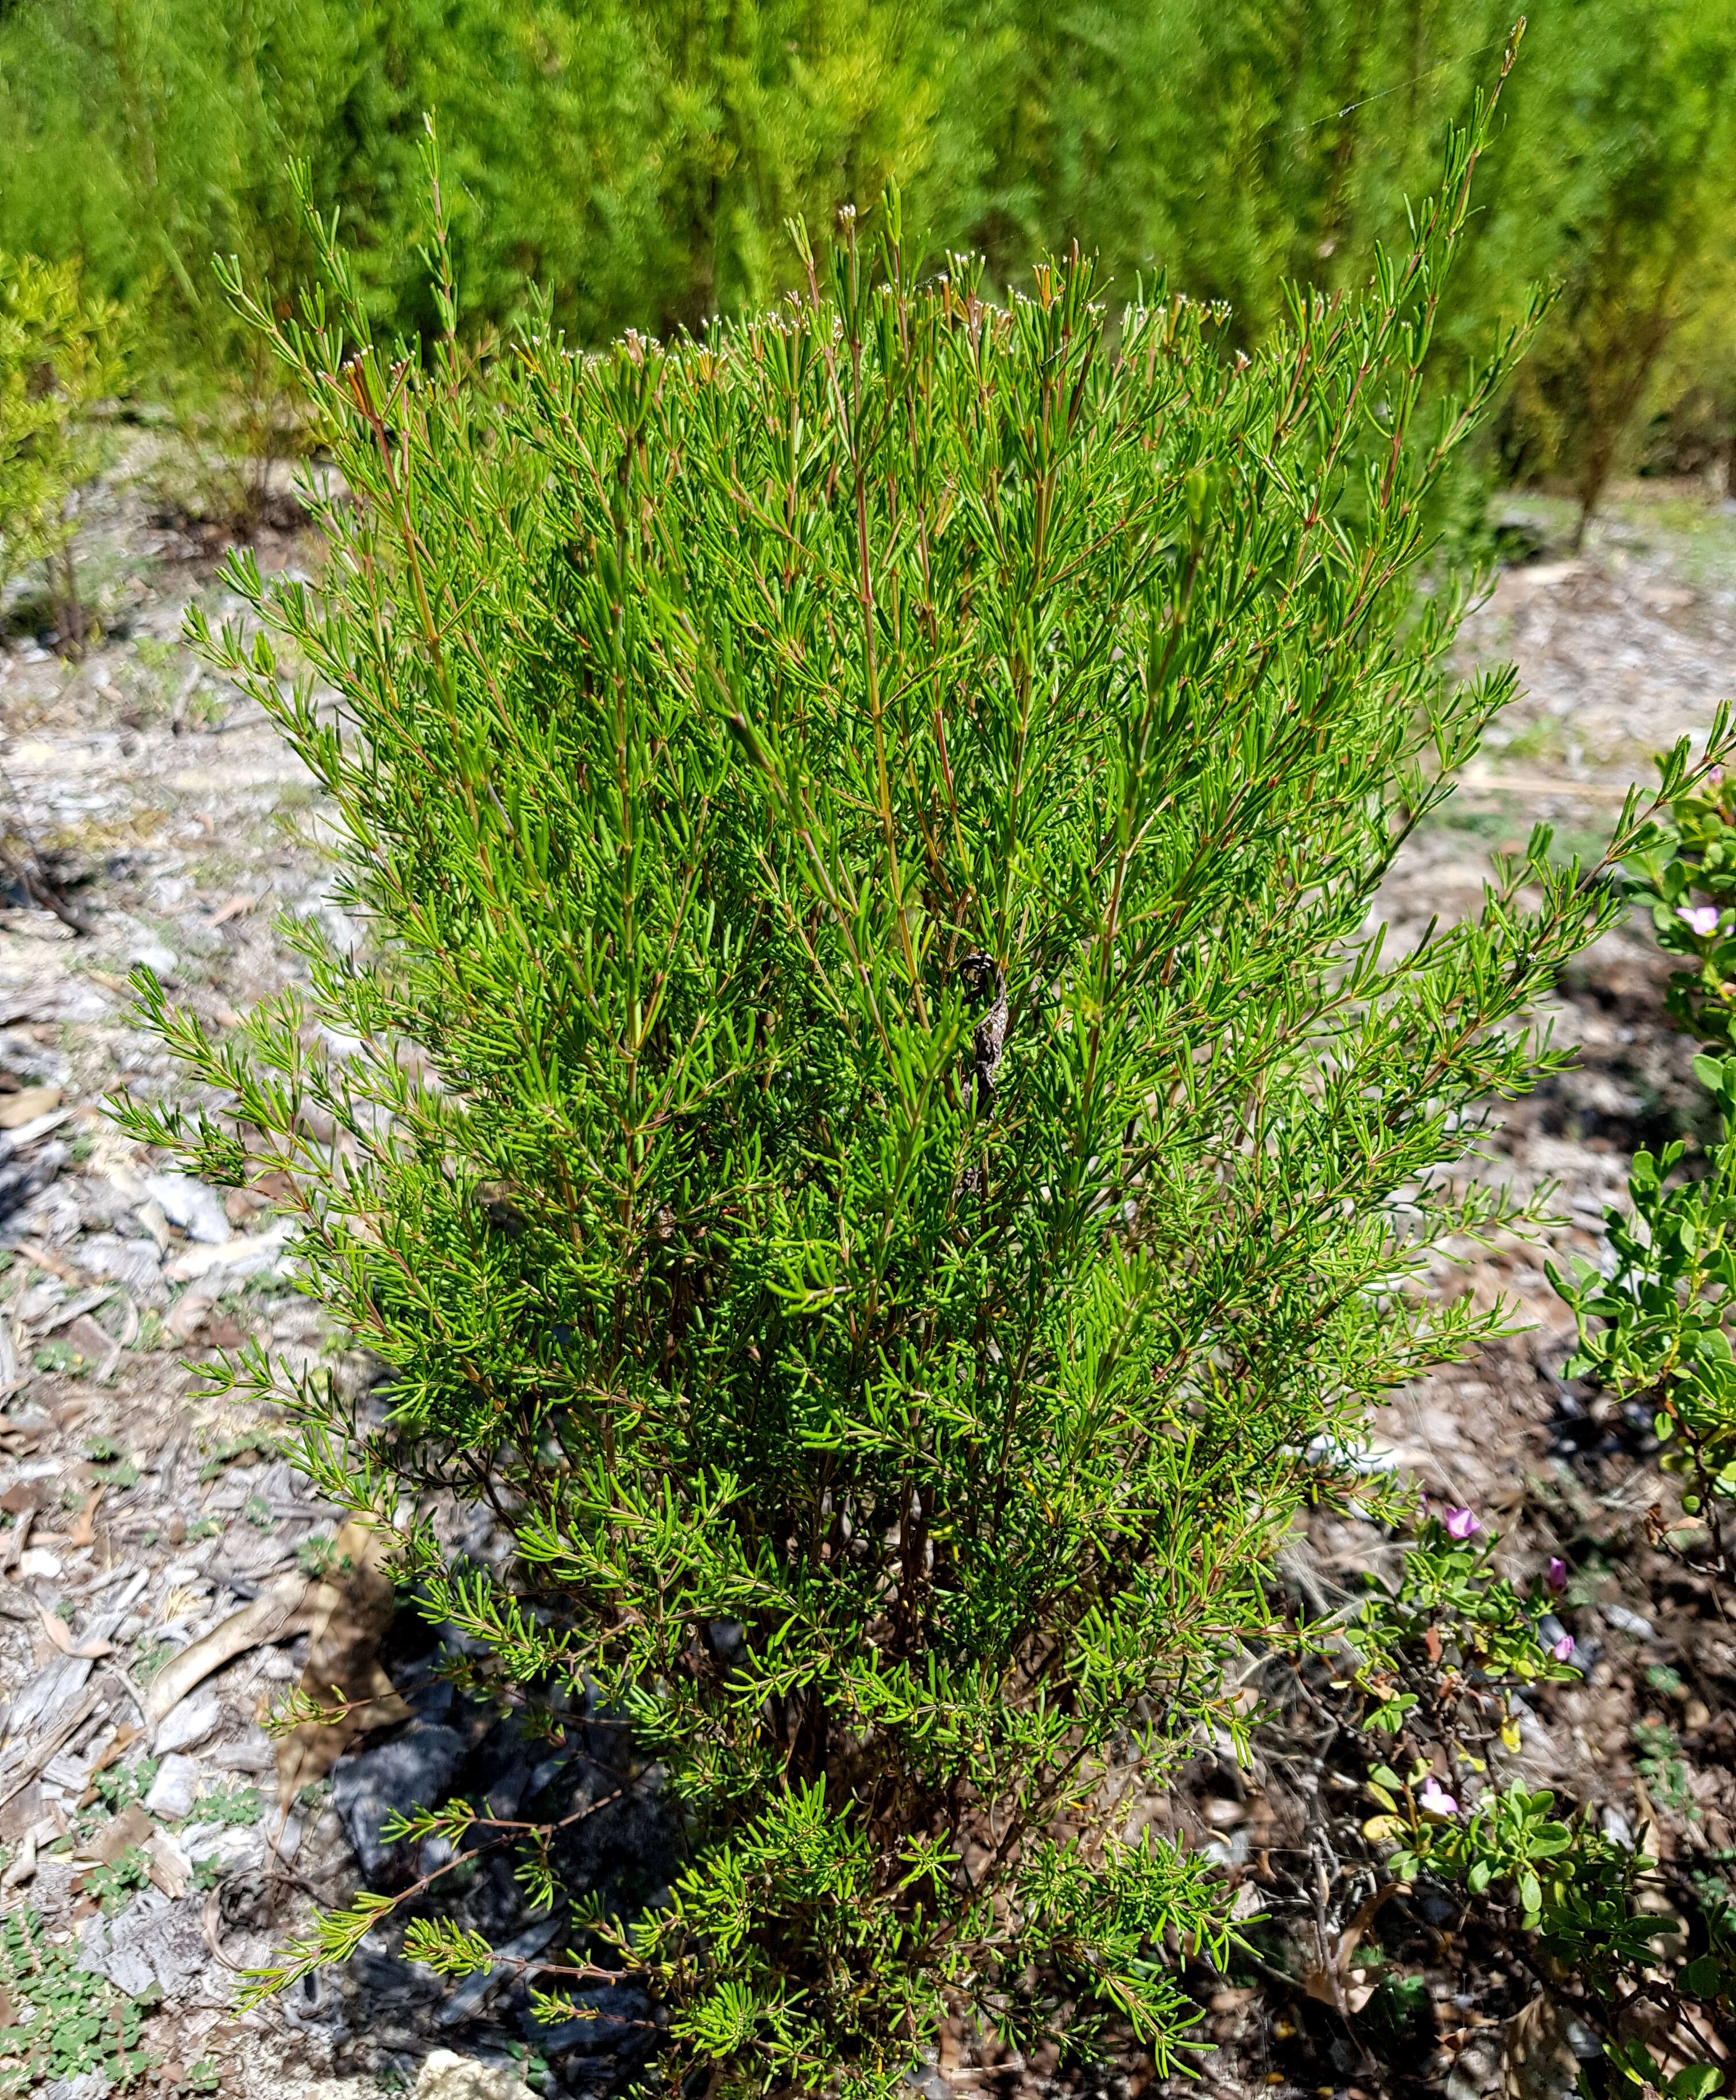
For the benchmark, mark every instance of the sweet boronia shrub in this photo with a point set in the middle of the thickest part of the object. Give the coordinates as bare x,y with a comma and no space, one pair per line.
873,1123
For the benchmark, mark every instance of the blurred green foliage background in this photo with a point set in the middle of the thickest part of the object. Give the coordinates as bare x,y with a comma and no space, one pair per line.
640,158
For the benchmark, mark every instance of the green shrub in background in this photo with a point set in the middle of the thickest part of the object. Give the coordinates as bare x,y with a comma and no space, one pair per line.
914,1166
640,161
146,138
1689,416
61,355
31,493
1643,148
1252,143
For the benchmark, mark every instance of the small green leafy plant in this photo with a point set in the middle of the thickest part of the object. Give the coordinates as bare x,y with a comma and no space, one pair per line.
252,1445
229,1806
150,1331
1687,875
1562,1880
1660,1327
149,1657
1635,2074
111,1464
66,2021
115,1884
1443,1659
1658,1754
1445,1643
123,1784
318,1557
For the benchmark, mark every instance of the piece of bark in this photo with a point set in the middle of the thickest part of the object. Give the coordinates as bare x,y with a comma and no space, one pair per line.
17,1109
23,1868
61,1634
170,1869
84,1532
121,1833
17,1780
277,1613
16,1538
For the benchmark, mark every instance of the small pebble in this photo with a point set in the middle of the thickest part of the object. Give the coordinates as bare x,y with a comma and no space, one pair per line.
172,1794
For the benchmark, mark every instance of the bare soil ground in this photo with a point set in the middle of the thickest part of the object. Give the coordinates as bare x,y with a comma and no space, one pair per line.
141,1520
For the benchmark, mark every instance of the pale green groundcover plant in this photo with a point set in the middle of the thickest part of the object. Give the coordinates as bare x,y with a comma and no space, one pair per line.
873,1125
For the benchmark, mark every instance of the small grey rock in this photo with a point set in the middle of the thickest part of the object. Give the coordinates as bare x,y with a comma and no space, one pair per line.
252,1754
30,1177
47,1695
134,1263
155,956
196,1208
93,1944
103,1205
87,2085
172,1793
163,1941
1583,2042
128,1970
1478,2068
232,1845
188,1723
446,2076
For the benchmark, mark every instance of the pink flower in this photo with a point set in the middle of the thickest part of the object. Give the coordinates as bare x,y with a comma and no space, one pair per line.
1435,1800
1555,1575
1701,919
1563,1650
1461,1523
